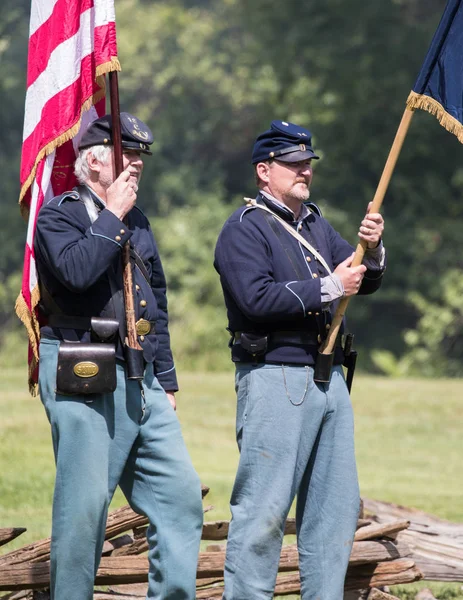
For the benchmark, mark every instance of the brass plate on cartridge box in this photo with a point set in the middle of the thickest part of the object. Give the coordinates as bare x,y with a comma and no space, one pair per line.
86,369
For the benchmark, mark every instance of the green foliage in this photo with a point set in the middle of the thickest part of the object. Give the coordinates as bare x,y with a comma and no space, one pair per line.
187,237
436,344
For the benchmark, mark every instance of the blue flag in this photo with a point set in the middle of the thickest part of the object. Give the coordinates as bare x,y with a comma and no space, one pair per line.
439,87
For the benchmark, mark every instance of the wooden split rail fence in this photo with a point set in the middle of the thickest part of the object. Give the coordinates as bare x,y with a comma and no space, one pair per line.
389,548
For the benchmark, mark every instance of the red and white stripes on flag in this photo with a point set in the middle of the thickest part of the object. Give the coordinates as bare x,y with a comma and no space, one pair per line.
72,44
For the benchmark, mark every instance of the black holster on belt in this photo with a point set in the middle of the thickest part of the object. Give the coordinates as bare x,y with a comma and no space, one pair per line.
135,363
254,343
323,366
89,368
350,360
324,363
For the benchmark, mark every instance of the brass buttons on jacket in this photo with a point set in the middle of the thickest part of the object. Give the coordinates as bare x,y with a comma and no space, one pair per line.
118,238
308,259
143,327
143,303
315,276
142,338
137,287
122,231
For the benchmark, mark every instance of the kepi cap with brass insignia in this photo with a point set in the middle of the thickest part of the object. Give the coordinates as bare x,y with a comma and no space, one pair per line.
135,134
285,142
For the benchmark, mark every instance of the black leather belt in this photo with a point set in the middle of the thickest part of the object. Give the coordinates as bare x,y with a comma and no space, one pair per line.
143,326
67,322
301,338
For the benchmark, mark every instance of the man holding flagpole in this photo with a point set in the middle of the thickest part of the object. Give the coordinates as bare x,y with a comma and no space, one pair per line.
283,269
107,428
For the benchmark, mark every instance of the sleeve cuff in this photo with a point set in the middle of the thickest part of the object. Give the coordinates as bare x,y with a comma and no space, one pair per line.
110,227
375,258
331,289
168,380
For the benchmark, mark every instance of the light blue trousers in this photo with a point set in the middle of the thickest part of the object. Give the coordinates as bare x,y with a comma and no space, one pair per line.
122,439
295,437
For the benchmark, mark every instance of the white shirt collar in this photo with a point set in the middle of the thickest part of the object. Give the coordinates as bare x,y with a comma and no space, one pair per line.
304,210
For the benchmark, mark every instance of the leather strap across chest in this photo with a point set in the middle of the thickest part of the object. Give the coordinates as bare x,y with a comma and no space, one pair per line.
291,231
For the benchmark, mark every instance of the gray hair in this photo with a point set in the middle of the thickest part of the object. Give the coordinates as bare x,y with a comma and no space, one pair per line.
81,168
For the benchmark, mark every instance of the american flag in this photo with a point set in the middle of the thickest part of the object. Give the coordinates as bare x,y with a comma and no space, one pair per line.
72,44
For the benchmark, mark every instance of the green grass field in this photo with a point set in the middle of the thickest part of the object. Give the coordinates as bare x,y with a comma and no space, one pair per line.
409,440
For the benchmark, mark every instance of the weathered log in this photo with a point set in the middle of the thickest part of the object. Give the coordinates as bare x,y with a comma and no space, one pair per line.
400,571
434,570
436,544
36,552
134,569
389,530
118,522
137,546
111,546
396,572
10,533
128,569
377,551
419,520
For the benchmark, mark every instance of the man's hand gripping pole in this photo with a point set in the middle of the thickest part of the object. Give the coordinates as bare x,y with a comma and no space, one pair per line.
324,362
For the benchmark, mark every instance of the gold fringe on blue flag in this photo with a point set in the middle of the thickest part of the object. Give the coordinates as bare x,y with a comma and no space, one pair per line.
439,87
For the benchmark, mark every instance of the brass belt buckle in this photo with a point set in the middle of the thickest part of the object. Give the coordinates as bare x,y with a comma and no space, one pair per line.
143,327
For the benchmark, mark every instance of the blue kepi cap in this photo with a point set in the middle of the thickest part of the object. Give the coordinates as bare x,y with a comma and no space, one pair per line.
285,142
135,134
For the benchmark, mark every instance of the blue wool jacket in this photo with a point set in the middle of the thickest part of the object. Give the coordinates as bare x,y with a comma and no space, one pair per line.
76,260
262,291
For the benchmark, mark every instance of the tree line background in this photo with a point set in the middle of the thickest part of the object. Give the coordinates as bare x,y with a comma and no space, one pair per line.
208,76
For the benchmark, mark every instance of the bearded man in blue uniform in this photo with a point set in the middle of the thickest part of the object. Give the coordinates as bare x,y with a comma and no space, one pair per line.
108,429
283,268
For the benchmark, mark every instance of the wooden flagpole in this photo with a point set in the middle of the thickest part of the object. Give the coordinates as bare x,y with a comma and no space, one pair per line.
327,347
135,368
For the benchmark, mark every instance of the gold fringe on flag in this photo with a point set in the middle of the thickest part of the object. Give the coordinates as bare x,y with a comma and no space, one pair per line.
112,65
427,103
29,320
